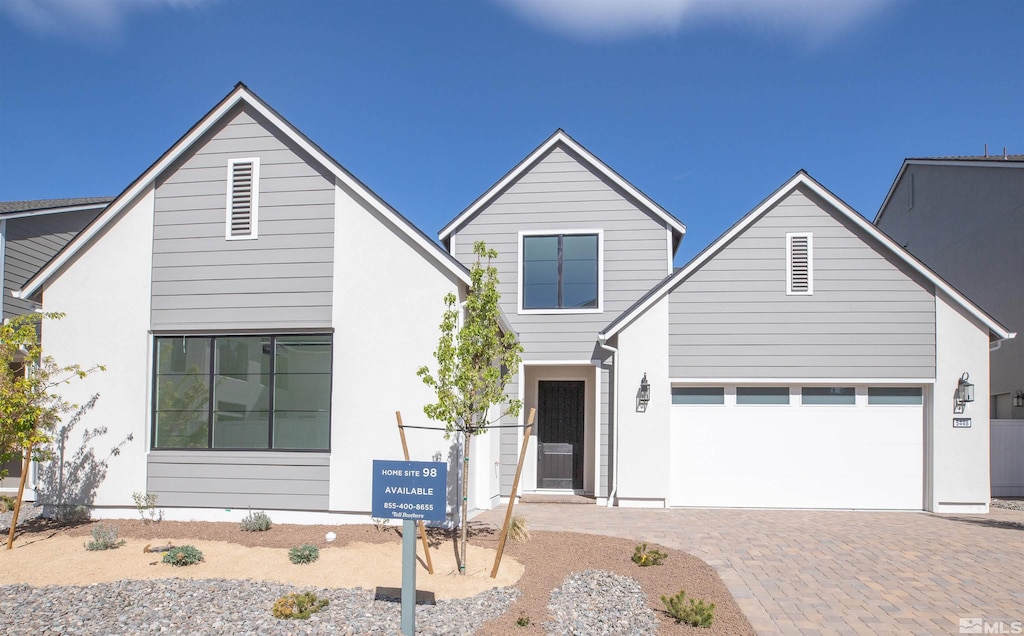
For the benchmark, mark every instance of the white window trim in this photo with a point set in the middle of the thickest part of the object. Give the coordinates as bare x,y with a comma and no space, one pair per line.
600,272
255,161
789,263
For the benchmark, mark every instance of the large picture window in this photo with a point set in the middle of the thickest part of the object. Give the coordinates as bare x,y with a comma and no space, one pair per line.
560,271
242,392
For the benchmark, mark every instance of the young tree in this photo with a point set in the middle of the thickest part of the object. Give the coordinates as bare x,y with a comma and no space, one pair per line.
474,361
29,408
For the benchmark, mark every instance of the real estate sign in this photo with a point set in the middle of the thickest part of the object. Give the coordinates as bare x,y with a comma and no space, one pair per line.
409,490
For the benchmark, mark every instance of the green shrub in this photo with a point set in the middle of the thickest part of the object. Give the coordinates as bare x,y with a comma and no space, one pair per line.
72,514
6,503
689,611
298,605
104,538
256,522
518,530
145,504
306,553
523,621
644,557
183,555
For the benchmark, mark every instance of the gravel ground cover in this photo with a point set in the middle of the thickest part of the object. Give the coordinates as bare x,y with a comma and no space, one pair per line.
573,584
1007,503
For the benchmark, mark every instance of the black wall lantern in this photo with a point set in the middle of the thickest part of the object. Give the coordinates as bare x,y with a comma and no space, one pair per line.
964,393
643,395
1018,400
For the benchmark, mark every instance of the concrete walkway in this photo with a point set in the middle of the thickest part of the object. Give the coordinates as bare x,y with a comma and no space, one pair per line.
819,572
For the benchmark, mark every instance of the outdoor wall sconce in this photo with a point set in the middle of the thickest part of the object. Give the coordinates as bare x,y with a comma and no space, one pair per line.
643,395
1018,400
964,393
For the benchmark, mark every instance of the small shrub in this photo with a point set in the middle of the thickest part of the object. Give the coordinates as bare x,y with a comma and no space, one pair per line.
298,605
304,554
381,524
6,503
523,621
256,522
104,537
644,557
518,530
145,504
181,556
689,611
72,515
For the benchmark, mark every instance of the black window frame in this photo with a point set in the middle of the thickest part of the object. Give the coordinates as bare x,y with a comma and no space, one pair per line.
210,407
559,281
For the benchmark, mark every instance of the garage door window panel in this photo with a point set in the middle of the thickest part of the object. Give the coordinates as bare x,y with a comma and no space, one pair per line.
698,395
762,395
894,396
828,396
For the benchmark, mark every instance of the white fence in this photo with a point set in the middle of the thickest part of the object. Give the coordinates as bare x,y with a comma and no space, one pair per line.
1007,458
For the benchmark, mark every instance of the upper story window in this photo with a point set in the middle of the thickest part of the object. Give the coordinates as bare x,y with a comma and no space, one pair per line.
799,264
242,392
560,272
243,203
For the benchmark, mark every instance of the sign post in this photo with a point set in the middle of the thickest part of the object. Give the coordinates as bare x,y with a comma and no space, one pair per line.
410,491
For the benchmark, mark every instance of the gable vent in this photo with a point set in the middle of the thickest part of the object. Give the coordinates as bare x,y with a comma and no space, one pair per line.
243,198
798,264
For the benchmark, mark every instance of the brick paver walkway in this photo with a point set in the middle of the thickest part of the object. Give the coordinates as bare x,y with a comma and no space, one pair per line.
822,572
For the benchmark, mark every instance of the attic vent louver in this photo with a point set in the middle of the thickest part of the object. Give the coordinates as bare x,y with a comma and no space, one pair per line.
243,198
799,270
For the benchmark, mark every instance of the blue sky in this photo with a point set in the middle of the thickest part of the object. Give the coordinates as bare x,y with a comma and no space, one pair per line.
707,106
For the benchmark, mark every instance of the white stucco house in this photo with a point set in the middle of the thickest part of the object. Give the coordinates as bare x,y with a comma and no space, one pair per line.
802,360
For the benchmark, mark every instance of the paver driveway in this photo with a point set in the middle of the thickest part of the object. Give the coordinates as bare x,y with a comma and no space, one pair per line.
834,572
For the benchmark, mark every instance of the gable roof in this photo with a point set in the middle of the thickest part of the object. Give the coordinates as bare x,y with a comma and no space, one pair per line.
559,137
972,161
239,95
16,209
803,179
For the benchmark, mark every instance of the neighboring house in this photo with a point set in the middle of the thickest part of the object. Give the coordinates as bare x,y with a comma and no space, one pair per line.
802,360
261,314
962,216
31,233
271,312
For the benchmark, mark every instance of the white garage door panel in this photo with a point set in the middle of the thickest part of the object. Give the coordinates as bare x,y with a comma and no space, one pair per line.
798,457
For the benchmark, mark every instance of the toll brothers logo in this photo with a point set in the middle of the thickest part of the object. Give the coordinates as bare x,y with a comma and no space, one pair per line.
982,626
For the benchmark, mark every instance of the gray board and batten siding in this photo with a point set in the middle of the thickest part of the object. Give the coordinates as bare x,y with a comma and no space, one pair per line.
562,192
267,480
278,281
867,318
31,241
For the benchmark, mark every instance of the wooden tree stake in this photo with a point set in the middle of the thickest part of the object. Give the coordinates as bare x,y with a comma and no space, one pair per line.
512,497
423,529
21,493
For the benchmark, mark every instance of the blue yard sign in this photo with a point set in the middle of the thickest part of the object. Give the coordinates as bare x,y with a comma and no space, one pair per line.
409,490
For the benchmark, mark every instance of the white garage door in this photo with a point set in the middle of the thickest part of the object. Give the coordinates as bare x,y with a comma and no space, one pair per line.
798,447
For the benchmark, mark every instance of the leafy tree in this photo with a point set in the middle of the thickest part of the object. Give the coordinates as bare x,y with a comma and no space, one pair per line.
473,364
29,408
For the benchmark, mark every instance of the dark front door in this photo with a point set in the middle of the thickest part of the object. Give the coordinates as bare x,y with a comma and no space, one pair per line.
560,434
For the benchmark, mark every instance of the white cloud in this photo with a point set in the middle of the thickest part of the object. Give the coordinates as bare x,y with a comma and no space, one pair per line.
88,18
811,20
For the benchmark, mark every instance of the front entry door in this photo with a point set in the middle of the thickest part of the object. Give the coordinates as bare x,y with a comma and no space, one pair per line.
560,406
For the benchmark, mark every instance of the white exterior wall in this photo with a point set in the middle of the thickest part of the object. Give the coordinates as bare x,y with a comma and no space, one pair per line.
959,472
105,293
388,301
645,459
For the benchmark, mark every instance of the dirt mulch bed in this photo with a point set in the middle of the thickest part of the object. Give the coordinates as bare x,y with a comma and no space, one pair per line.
548,558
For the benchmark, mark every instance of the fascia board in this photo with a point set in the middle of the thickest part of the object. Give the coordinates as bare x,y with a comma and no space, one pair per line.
559,137
46,211
239,94
802,178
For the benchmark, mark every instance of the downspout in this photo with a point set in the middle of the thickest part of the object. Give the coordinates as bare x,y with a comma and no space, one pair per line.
615,393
